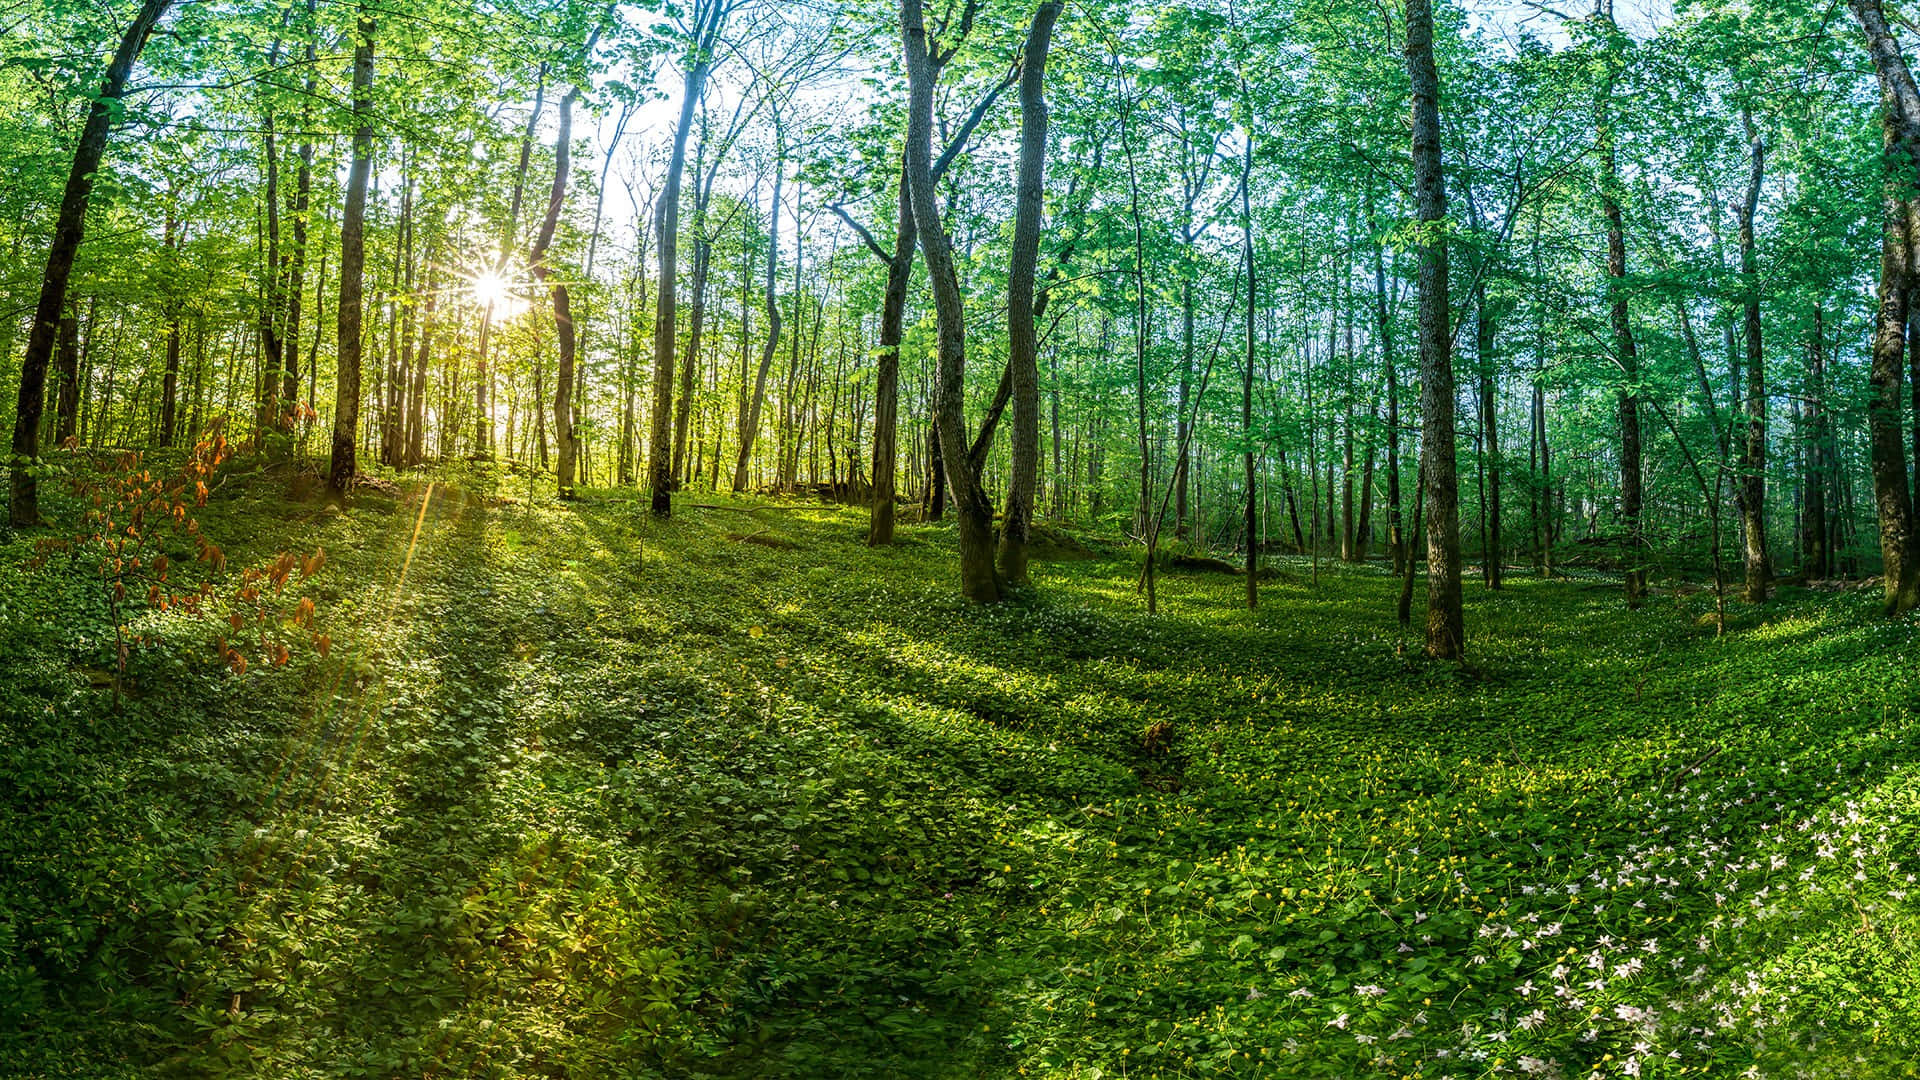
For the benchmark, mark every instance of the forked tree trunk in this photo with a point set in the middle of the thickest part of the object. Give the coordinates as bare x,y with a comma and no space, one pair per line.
978,581
565,444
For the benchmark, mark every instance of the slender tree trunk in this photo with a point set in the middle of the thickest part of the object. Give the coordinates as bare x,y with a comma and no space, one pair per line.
1815,555
708,18
1753,479
297,258
750,409
170,380
1383,319
565,444
978,581
1626,354
696,325
1023,347
68,229
1485,339
346,406
1446,627
1143,514
271,344
417,406
886,384
1252,520
66,407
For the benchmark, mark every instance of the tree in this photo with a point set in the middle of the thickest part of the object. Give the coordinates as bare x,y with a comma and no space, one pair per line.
68,231
704,24
346,408
1893,502
1022,342
925,57
1446,624
1753,482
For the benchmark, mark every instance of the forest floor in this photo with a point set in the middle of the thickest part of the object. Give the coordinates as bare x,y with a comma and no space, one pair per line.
579,793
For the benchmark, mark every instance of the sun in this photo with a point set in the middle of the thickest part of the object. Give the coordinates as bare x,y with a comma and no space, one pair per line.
489,288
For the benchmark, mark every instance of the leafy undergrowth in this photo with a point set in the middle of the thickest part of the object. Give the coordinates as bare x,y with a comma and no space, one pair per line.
579,793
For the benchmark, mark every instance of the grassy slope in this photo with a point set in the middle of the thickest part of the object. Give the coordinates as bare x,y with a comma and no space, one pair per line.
594,795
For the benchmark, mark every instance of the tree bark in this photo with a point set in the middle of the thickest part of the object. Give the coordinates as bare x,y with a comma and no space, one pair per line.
1626,353
1893,501
66,407
1446,624
346,406
1753,480
750,408
709,16
69,227
886,386
566,442
978,581
1252,519
1023,347
297,258
1815,556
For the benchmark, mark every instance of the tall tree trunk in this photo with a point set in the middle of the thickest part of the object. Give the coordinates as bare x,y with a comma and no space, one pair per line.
978,581
1143,514
1023,347
886,385
1626,353
170,380
66,407
399,330
565,443
1383,319
68,230
417,405
271,344
1485,338
696,326
297,258
1753,479
750,408
1252,519
1815,555
1893,501
1446,624
346,405
709,16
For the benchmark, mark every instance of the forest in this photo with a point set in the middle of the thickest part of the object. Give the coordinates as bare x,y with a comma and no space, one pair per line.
959,538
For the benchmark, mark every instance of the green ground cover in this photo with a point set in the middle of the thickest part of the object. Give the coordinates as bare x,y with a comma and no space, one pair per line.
578,793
